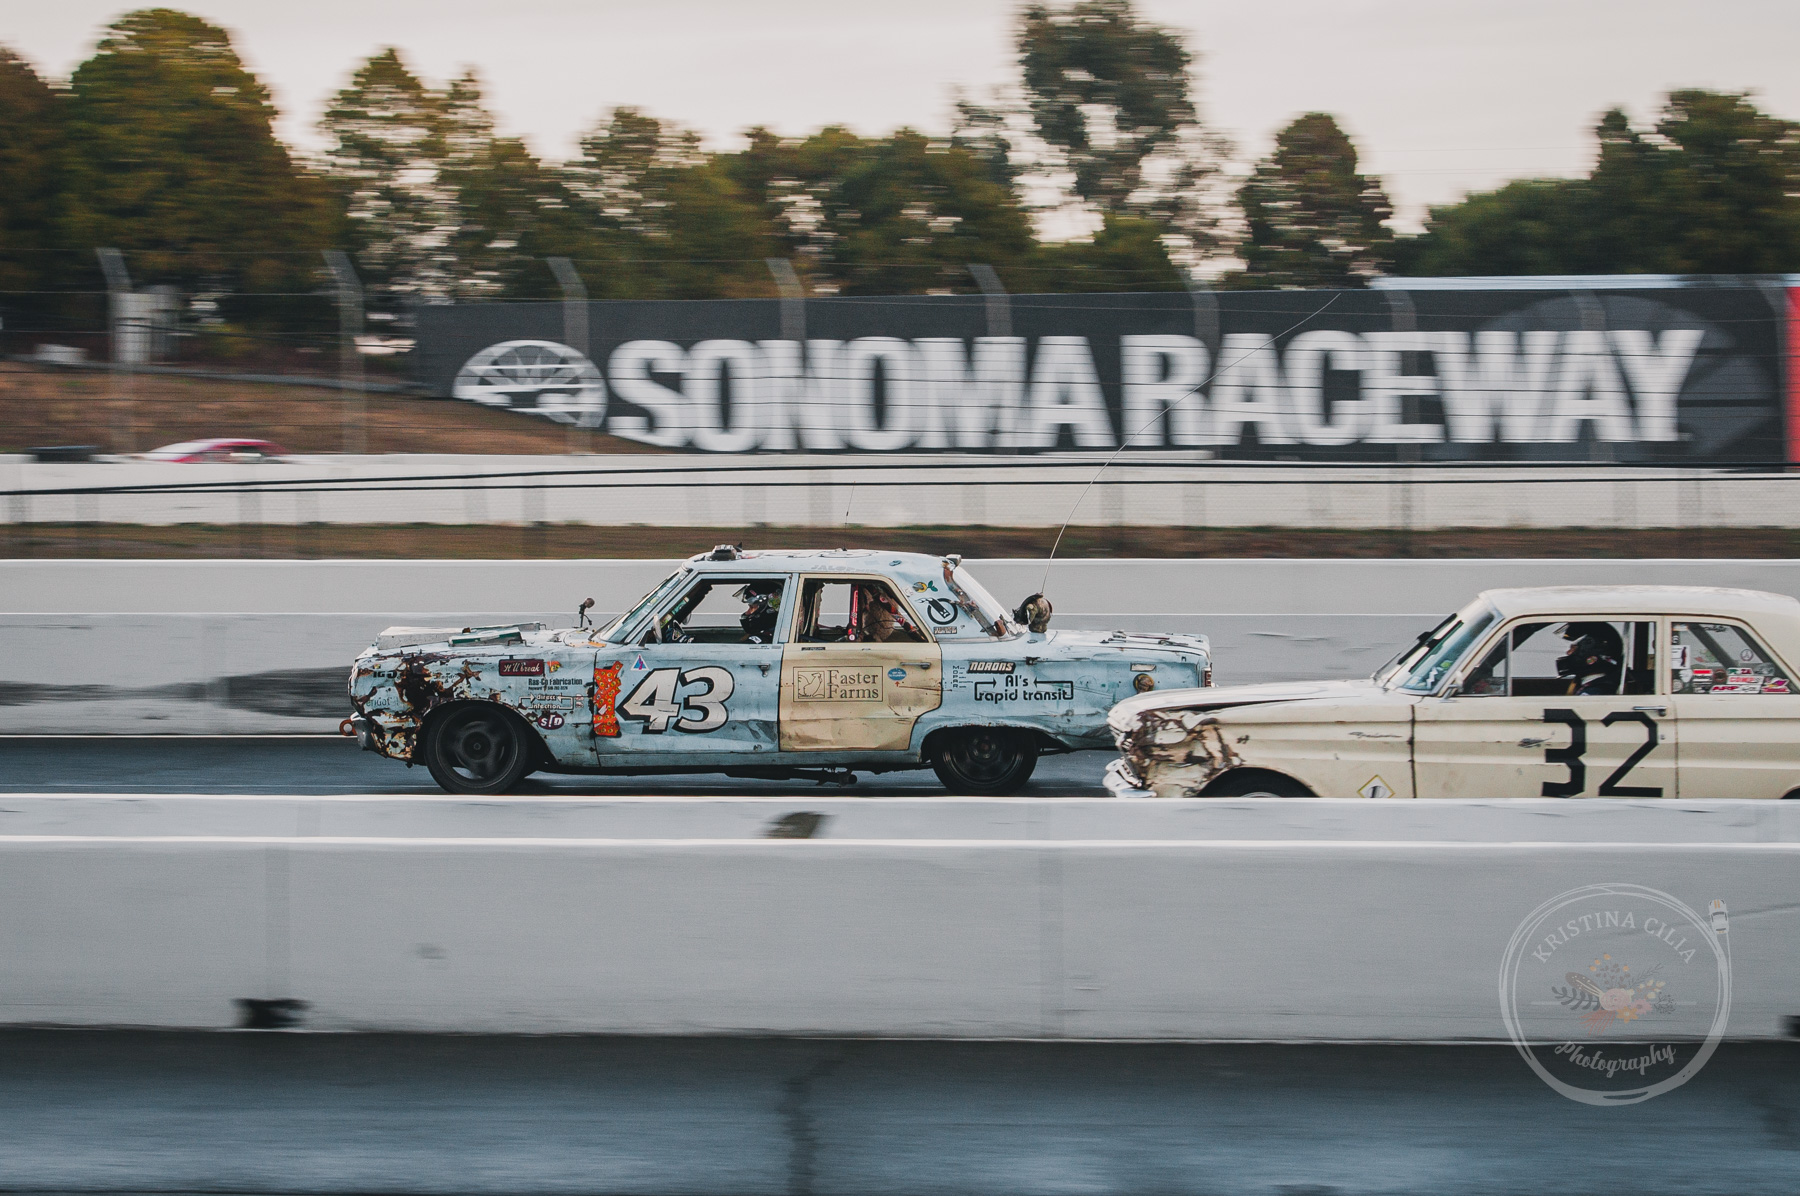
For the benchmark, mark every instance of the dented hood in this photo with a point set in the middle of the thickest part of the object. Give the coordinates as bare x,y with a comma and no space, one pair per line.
472,637
1238,695
1131,641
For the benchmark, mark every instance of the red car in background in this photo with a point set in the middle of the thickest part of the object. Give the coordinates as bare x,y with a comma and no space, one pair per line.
217,450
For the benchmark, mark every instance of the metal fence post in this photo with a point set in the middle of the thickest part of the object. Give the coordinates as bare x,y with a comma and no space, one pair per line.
1209,332
575,335
118,286
1593,319
350,363
999,323
793,299
793,328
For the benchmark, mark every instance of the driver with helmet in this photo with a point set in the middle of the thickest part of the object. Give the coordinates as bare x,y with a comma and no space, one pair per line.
762,607
1595,659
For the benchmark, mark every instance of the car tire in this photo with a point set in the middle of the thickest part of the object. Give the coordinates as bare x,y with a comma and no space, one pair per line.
1256,782
984,761
478,748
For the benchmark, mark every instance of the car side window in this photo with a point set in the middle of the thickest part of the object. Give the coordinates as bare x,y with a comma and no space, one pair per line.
1488,679
722,610
854,611
1558,658
1721,658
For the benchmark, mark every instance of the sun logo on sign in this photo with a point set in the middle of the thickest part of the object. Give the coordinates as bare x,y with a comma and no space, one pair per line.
542,377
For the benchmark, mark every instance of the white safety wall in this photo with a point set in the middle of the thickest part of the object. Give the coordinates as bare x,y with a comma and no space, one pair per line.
1020,918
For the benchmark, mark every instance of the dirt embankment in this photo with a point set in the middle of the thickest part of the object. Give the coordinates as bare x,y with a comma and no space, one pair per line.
568,541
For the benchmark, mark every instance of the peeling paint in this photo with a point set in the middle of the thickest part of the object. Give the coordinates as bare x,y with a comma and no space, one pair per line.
1177,752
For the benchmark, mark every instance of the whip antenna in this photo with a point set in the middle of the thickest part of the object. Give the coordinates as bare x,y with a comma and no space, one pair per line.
1125,441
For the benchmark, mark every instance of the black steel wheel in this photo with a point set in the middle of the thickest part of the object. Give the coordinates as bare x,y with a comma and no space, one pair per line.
478,748
985,760
1256,782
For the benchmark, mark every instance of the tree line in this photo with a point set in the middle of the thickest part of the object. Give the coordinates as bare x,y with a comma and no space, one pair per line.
162,144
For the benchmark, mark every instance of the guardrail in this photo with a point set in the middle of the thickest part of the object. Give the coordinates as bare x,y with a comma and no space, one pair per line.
1140,490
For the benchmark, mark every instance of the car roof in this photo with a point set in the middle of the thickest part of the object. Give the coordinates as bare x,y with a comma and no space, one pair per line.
1649,600
824,560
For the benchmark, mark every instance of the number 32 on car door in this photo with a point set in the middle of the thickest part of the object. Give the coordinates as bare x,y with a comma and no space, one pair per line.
1575,756
658,702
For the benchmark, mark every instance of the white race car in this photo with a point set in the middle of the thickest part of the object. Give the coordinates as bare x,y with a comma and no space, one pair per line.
1615,691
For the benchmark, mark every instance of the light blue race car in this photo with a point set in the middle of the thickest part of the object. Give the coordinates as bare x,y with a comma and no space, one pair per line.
766,664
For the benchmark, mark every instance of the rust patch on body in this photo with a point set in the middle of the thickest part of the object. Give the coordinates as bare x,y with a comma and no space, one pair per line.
421,682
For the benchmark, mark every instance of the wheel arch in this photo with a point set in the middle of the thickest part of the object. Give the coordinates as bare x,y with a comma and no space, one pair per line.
541,756
1046,743
1234,777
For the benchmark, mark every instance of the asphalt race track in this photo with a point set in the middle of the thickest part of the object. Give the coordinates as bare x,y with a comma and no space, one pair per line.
254,1112
301,766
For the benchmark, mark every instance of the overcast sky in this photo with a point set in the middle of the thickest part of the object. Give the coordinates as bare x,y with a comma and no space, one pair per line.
1442,96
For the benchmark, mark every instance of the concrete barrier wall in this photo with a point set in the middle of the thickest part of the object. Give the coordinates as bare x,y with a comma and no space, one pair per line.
226,647
888,491
1103,920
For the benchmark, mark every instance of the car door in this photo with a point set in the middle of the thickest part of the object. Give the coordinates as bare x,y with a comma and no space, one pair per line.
1513,725
1737,711
858,669
696,682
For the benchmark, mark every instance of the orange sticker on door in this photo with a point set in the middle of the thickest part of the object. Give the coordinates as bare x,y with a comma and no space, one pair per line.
606,693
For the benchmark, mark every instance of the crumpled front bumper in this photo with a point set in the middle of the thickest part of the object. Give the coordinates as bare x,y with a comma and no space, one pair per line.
1120,783
367,737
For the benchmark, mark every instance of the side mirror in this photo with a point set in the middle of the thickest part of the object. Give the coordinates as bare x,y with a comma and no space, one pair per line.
581,611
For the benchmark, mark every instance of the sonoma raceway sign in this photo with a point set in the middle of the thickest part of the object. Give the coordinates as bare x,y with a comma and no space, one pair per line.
1665,375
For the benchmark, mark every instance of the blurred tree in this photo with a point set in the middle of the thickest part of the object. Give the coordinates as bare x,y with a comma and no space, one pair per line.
30,144
505,210
901,214
1110,95
1532,226
171,155
986,133
386,160
1127,254
1313,220
1715,189
661,218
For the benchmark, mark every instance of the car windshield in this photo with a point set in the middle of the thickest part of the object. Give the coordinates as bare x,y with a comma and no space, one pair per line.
990,606
625,620
1426,666
1402,660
